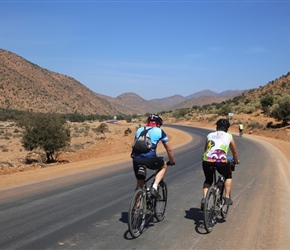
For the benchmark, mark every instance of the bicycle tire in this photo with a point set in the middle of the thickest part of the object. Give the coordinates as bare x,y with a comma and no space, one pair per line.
224,209
161,202
209,209
136,218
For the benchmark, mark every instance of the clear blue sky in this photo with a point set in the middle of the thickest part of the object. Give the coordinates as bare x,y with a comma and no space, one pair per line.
153,48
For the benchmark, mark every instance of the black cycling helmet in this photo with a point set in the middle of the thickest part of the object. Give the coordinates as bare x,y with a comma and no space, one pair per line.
155,118
223,124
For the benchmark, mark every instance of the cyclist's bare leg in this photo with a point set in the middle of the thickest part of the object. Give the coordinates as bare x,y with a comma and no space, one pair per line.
228,187
160,174
206,186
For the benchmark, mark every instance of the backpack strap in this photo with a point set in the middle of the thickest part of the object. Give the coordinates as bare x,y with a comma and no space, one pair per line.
148,128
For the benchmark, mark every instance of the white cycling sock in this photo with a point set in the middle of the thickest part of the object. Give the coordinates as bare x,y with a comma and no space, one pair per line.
155,186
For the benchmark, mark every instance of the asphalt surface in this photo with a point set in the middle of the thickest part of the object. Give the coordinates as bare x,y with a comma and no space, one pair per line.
89,210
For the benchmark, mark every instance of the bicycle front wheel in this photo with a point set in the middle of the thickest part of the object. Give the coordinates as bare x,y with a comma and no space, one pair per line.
161,202
209,209
137,213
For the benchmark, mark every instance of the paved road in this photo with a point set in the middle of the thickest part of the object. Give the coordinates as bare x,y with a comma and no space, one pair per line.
89,210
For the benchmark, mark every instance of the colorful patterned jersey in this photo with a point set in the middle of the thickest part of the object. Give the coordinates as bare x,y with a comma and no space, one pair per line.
217,146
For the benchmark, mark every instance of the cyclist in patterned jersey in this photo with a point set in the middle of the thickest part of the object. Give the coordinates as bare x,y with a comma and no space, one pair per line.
215,153
150,159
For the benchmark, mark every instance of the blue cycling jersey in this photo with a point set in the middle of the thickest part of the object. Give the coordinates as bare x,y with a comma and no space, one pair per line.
156,135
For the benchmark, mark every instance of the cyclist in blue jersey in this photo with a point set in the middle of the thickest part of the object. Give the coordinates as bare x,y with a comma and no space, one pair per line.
150,160
215,153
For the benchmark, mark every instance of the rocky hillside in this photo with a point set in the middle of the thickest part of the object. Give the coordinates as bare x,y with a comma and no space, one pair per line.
27,86
279,86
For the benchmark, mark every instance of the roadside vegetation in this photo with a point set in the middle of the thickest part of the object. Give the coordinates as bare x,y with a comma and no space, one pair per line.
46,135
272,100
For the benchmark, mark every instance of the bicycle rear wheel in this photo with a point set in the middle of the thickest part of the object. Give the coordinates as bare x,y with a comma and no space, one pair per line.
137,213
209,209
160,203
224,209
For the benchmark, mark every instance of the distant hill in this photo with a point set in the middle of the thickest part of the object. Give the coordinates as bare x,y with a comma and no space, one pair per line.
280,86
27,86
196,99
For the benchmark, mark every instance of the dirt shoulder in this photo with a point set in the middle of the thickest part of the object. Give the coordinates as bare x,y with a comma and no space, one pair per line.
93,160
283,146
107,152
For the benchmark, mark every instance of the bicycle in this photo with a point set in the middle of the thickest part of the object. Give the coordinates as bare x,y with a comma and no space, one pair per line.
143,203
214,204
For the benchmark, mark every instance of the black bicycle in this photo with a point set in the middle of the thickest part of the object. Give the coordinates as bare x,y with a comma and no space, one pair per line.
143,206
214,204
240,132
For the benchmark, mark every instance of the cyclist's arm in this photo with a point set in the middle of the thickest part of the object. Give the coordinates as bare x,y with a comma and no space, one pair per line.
169,151
205,146
233,148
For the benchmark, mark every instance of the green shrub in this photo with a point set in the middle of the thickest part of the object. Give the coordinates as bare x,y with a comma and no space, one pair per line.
45,131
127,131
254,125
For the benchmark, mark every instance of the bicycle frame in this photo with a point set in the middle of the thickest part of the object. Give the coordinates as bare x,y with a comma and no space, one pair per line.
149,178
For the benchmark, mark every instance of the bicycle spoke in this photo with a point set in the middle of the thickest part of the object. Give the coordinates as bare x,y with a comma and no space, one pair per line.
209,210
137,213
224,210
160,203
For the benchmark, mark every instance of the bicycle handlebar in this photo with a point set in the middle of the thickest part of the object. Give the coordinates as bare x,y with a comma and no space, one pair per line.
170,164
233,164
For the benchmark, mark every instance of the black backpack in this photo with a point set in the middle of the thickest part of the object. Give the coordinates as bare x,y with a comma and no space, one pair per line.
143,143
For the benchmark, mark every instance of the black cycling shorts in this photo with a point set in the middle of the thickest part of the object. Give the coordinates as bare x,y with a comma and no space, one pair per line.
222,168
140,164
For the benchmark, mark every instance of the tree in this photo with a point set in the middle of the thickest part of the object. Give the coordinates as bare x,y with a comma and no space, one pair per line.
266,102
178,113
102,128
282,111
224,110
48,132
127,131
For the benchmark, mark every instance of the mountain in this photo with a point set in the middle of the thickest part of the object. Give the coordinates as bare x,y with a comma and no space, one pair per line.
200,101
144,106
196,99
277,88
27,86
205,92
